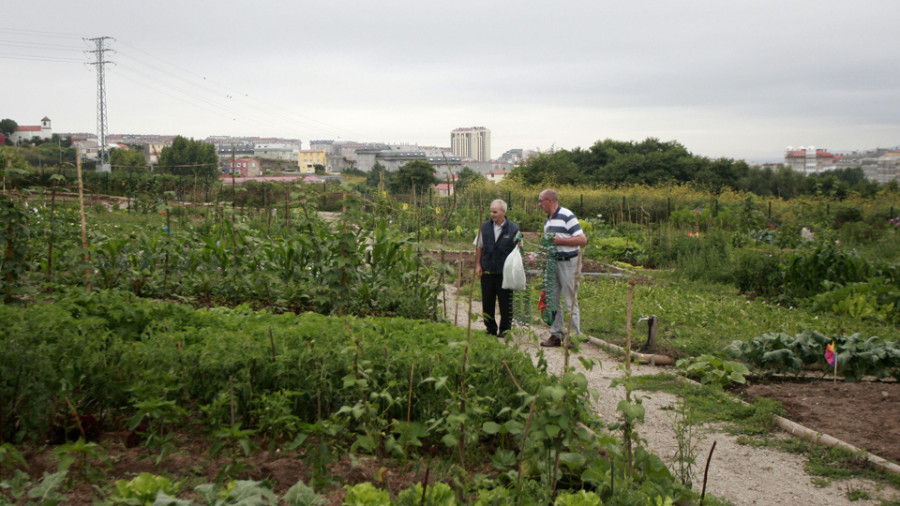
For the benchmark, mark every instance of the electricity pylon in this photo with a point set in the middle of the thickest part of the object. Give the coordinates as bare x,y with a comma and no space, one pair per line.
102,128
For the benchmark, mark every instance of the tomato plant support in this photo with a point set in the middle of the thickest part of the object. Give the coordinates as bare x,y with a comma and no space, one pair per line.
84,243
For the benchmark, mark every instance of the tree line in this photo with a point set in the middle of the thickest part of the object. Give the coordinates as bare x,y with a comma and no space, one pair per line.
652,162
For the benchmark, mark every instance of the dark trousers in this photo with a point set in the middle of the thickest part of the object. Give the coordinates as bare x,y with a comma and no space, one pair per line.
491,294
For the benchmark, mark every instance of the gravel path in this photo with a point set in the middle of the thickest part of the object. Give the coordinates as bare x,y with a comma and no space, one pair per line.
738,473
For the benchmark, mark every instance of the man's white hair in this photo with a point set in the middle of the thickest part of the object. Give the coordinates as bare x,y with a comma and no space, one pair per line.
502,204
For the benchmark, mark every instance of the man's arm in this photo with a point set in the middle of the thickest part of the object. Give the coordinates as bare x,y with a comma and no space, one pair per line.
575,240
478,270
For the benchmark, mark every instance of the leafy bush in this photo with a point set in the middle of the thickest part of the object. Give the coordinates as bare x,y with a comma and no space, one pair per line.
873,300
706,257
614,248
757,273
805,273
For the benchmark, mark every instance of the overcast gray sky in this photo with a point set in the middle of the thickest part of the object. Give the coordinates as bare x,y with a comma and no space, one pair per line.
736,79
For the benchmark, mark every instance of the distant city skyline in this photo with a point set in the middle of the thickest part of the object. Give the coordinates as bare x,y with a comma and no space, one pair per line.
115,136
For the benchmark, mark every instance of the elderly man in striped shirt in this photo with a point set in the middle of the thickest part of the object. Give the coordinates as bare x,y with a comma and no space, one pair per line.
567,235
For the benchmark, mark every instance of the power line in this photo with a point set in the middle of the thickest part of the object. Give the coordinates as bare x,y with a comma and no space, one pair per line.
276,111
41,33
38,45
182,84
39,58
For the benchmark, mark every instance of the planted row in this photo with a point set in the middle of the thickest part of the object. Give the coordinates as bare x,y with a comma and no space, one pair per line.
857,357
359,266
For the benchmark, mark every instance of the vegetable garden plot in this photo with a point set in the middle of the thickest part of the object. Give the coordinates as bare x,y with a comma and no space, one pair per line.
322,386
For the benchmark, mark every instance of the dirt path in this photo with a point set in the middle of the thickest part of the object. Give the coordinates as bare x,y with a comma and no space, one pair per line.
740,474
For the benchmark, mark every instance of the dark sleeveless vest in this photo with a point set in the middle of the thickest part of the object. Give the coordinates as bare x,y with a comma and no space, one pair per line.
495,251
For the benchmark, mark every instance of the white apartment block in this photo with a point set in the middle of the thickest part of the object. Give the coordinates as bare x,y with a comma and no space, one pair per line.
809,160
471,143
277,150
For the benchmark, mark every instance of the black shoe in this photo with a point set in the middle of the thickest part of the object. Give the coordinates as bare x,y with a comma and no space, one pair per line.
553,341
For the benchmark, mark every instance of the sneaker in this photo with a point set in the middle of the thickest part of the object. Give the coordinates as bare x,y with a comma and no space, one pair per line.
552,342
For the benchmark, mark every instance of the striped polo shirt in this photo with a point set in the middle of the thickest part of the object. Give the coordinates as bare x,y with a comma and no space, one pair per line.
563,224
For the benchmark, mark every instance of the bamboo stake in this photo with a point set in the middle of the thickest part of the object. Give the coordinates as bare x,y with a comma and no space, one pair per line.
84,243
412,372
272,342
522,451
462,440
628,325
834,350
77,419
231,397
458,286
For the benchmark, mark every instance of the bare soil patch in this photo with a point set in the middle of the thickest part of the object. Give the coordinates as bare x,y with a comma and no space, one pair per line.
864,414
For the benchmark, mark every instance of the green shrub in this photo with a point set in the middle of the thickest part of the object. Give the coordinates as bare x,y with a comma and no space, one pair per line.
757,273
707,257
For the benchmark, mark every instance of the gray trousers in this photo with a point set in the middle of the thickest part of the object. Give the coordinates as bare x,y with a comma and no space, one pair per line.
565,287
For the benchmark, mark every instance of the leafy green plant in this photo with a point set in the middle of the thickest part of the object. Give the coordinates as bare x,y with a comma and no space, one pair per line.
685,427
14,234
873,299
711,369
10,458
301,495
580,498
366,494
142,489
158,416
46,491
237,492
238,445
88,459
438,494
274,416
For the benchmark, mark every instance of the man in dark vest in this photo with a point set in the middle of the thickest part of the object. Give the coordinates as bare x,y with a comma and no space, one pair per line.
495,241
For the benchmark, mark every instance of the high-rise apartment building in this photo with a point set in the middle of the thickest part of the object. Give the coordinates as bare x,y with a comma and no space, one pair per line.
472,143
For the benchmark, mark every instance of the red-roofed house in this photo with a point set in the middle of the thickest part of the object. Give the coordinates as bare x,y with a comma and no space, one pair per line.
444,189
26,132
496,175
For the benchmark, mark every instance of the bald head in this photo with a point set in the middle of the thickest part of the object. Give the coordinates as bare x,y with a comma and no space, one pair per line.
549,194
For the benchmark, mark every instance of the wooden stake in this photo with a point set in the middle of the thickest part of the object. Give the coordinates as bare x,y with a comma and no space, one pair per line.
84,243
628,325
706,472
834,350
272,342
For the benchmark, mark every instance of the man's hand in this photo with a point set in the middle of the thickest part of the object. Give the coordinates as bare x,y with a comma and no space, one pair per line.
478,270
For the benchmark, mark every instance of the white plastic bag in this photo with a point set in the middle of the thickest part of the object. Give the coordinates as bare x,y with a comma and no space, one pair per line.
514,271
